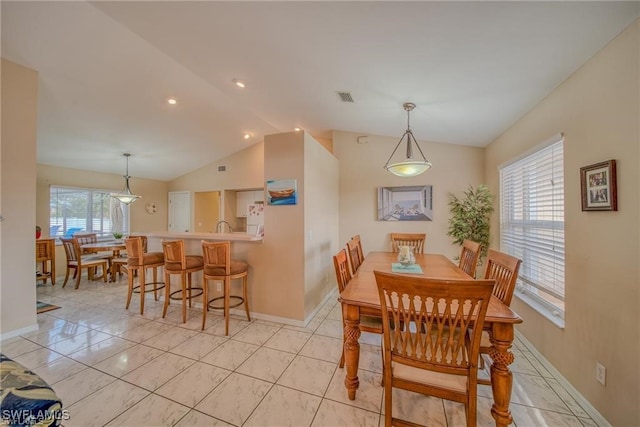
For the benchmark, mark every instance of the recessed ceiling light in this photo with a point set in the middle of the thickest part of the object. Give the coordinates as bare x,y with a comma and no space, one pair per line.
238,83
247,135
172,101
297,129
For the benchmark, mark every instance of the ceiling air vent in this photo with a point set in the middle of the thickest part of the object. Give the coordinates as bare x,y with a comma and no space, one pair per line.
345,96
222,168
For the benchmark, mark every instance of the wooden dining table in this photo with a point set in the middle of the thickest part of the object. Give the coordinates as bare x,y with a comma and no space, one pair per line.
114,246
362,293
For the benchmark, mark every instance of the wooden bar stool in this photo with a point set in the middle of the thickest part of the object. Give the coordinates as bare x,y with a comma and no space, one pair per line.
176,262
137,262
218,265
46,258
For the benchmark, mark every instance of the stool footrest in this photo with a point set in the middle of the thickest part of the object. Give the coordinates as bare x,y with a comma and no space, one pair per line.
136,289
235,297
179,291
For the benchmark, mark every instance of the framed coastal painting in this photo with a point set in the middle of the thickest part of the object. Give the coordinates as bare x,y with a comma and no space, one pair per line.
282,192
405,203
598,187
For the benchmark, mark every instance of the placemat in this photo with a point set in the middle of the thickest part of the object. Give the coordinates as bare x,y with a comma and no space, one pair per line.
396,267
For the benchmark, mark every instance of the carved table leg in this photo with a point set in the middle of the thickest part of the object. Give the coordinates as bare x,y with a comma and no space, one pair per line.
501,377
351,349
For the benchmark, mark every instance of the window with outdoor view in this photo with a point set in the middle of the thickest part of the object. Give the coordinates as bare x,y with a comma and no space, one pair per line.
532,224
83,210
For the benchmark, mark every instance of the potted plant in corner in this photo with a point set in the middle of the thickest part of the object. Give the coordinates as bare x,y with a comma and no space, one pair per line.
470,217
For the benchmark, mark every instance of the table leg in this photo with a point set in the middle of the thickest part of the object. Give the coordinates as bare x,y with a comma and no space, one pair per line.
501,335
351,349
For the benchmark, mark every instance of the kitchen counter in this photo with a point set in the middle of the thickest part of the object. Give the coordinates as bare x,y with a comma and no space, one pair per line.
232,237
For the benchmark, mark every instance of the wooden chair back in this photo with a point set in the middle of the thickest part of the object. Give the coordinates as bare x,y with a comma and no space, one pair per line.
469,257
174,256
86,238
415,240
356,239
503,268
343,274
432,325
354,255
135,250
71,249
217,256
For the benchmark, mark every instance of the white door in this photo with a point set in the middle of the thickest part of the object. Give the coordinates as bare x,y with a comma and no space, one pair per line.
179,211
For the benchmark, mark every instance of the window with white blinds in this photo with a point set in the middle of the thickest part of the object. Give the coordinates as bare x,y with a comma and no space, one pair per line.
85,210
532,223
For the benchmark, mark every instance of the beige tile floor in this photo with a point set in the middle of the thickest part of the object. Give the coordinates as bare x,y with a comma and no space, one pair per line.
115,367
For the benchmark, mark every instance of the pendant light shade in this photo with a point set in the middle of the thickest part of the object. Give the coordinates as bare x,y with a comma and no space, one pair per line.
409,166
126,196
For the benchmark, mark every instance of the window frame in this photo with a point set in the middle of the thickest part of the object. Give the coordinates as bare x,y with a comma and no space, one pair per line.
549,230
103,233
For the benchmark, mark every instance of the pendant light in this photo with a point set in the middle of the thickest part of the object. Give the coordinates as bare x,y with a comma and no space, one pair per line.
408,167
126,196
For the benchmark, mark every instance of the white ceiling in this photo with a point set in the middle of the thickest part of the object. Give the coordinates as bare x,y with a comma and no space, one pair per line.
107,68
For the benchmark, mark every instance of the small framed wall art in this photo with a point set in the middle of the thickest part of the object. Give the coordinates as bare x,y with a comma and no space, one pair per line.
598,187
282,192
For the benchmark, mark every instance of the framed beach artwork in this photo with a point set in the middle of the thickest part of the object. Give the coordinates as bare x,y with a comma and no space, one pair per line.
405,203
282,192
598,187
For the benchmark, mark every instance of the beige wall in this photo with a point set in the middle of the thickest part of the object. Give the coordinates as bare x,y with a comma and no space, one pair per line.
206,210
140,222
19,106
321,195
598,110
455,167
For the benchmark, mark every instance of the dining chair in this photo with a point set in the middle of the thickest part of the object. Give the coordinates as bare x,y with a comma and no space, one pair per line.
219,266
415,240
353,253
370,320
358,241
503,268
469,256
138,261
426,347
177,262
77,261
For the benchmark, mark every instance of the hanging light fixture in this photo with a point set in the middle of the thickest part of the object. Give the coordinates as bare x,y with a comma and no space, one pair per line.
409,166
126,196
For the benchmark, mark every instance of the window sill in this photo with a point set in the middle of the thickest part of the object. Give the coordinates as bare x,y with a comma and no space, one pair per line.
540,308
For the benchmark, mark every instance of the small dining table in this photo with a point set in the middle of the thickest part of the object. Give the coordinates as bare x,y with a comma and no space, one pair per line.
114,246
362,292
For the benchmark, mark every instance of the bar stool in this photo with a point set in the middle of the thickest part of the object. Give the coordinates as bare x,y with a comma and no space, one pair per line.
176,262
218,265
138,261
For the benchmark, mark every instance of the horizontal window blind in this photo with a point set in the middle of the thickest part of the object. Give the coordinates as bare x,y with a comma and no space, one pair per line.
532,221
82,210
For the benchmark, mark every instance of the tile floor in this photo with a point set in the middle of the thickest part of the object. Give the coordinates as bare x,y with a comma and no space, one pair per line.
115,367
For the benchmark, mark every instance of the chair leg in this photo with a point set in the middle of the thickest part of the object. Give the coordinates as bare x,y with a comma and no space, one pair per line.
227,301
66,277
130,290
155,283
205,300
142,279
78,277
167,287
388,416
105,269
246,297
184,296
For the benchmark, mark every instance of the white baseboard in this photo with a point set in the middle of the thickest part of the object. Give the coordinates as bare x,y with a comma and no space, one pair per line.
18,332
584,403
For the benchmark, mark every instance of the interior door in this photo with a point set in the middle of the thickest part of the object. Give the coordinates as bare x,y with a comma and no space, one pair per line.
179,211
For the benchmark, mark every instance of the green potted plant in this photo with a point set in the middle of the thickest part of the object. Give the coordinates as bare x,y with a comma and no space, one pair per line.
117,235
38,231
470,217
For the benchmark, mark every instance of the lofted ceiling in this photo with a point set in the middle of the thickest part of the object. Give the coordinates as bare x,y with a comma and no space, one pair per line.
106,70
